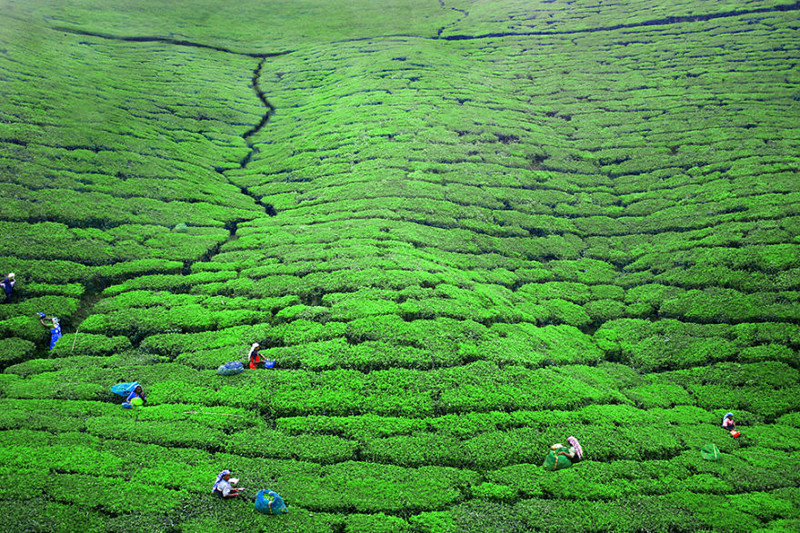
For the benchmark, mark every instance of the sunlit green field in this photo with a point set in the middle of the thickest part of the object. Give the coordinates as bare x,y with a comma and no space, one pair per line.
464,229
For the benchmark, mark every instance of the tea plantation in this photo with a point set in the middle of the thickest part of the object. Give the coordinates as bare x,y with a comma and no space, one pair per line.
465,230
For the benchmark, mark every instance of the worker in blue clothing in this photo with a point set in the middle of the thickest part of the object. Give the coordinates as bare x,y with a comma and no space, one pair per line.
8,286
55,331
136,398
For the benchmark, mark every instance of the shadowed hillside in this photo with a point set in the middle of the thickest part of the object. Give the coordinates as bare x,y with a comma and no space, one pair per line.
465,230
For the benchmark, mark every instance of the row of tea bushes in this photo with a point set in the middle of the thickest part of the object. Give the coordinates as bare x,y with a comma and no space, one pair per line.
376,342
638,342
364,428
14,350
137,323
480,386
425,391
366,356
678,510
675,447
570,303
162,298
668,512
327,276
624,478
366,486
669,344
390,392
62,517
123,210
763,490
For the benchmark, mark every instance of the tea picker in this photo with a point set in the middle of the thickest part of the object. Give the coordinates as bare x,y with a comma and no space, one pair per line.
255,357
560,457
132,392
8,286
730,425
55,331
222,486
136,398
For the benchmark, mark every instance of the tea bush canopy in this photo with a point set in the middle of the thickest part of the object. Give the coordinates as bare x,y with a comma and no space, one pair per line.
463,230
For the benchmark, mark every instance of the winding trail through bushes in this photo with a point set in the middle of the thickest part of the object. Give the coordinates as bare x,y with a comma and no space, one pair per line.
654,22
167,40
269,108
462,11
666,21
95,290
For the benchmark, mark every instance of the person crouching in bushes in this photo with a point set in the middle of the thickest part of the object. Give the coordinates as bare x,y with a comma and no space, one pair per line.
136,398
574,452
255,355
560,456
729,424
222,487
8,286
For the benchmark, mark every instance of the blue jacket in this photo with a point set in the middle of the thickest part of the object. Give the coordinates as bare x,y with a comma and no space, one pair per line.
133,395
55,334
7,285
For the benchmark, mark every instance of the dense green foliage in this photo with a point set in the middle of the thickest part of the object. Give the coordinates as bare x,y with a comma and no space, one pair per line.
464,230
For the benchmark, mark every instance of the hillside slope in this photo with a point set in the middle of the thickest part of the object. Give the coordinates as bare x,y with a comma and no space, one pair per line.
464,230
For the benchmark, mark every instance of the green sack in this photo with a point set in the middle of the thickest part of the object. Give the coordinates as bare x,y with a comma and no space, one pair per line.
553,461
710,452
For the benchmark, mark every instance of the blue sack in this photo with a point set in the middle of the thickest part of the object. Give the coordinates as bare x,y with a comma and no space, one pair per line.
124,389
231,369
269,364
265,506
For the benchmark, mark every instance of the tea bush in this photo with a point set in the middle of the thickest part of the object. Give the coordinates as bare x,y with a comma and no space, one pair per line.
14,349
530,345
375,522
53,516
90,344
113,495
262,442
186,434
